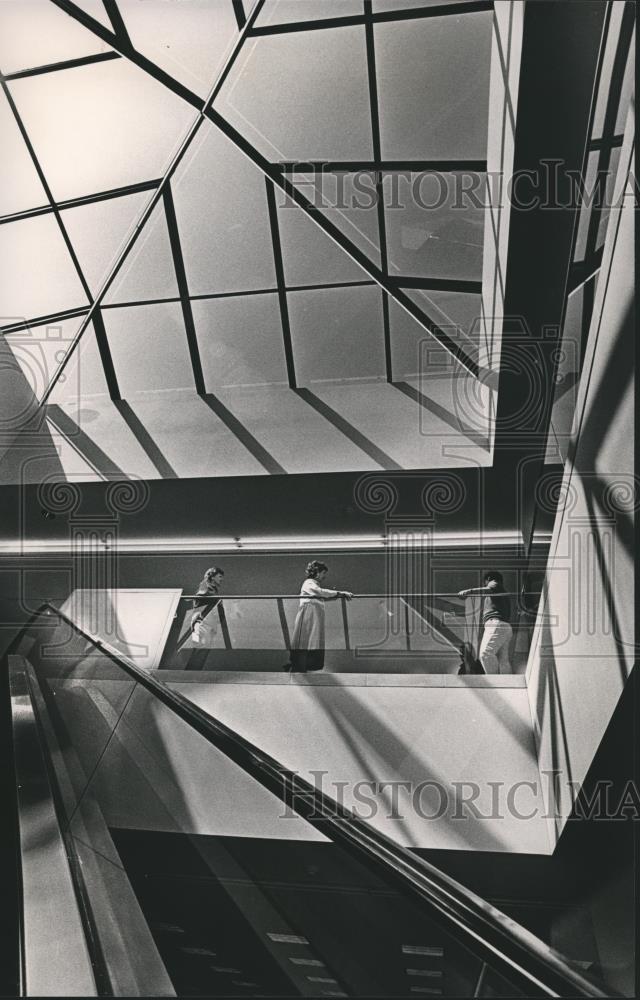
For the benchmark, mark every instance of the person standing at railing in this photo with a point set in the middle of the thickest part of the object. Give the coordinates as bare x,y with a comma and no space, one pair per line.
203,627
496,621
307,643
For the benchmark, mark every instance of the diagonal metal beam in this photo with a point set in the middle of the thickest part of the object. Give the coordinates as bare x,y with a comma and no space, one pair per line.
271,171
377,157
92,25
59,66
181,278
282,290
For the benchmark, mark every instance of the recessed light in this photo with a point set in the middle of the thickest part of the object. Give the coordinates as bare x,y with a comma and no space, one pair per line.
287,938
307,961
421,949
431,973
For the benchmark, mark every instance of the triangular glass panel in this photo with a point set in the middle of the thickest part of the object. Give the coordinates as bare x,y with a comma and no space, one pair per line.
148,272
37,33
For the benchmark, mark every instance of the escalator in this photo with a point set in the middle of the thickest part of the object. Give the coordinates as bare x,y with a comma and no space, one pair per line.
162,854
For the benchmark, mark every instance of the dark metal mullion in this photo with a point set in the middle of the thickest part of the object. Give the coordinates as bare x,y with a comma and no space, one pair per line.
345,623
280,281
439,284
87,199
181,278
284,625
605,142
117,21
105,355
56,67
238,10
26,324
377,158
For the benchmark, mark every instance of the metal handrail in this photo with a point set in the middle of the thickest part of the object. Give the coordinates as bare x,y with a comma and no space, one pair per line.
518,953
390,597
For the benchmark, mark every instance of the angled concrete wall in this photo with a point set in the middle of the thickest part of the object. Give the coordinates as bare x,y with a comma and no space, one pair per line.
583,645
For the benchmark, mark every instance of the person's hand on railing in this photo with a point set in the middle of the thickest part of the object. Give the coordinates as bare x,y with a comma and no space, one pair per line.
348,596
464,593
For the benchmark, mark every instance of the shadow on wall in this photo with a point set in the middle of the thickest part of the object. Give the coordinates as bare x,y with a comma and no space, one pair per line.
25,439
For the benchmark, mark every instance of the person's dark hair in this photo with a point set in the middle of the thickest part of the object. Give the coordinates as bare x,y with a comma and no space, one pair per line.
211,572
492,576
314,568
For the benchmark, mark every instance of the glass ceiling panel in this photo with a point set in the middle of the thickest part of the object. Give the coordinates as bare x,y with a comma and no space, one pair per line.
98,232
380,5
221,207
148,272
189,39
337,334
40,351
155,333
101,126
20,186
433,230
354,213
436,108
37,275
240,341
303,96
36,33
310,257
454,312
282,11
84,374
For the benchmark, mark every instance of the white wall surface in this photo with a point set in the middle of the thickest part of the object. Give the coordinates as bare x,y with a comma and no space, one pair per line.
445,734
583,651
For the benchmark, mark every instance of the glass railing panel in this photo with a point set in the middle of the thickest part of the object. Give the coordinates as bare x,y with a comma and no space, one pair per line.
377,624
184,642
254,624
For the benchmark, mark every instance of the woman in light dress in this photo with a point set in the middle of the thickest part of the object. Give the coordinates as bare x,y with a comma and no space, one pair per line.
307,643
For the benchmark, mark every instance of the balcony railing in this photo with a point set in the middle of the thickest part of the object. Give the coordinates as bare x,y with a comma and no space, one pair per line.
432,630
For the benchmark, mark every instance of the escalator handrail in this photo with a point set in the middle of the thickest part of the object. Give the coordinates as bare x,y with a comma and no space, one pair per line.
519,952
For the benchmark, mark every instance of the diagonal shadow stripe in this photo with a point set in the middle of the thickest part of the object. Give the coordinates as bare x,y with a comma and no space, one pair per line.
440,411
343,425
83,444
144,439
245,436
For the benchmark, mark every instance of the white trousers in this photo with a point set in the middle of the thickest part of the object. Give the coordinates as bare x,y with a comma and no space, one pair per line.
494,649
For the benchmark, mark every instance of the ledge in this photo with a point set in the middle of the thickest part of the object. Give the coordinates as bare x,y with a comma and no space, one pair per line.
322,679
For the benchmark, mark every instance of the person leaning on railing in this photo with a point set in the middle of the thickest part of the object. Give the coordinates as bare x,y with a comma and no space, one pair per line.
307,643
496,619
203,627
